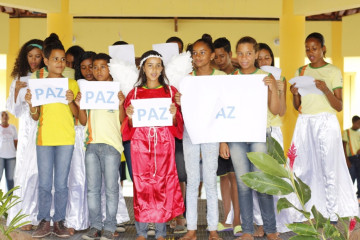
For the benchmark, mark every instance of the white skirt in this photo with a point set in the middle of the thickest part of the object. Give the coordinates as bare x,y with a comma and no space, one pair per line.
320,163
77,215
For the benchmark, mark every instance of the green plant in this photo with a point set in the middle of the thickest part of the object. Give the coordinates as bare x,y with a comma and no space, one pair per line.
9,200
277,178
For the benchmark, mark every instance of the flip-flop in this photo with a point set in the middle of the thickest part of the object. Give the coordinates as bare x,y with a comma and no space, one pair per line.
222,228
238,231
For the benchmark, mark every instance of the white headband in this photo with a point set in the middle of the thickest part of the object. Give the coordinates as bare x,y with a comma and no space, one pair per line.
150,56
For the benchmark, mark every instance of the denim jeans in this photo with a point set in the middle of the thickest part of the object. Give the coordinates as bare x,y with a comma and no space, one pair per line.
53,165
127,154
209,153
9,165
141,229
102,160
243,165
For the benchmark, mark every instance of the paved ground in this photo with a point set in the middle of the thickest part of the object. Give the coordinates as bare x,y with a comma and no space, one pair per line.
202,234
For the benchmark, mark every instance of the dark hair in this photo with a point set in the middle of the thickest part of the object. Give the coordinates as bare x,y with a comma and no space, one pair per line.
264,46
223,43
120,43
101,56
176,39
207,39
21,66
51,43
355,118
317,36
252,41
76,51
141,81
189,47
84,56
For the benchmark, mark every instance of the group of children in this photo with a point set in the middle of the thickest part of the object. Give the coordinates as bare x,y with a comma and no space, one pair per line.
51,149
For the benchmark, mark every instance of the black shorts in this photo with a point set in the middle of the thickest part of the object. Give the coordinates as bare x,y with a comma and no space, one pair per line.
225,166
123,171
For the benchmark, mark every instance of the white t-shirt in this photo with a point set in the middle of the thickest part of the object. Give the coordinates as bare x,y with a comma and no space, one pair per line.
7,137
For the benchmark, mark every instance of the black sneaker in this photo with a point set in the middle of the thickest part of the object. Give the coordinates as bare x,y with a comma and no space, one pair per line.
92,234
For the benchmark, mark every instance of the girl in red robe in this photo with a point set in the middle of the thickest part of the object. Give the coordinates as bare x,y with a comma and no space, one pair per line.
157,194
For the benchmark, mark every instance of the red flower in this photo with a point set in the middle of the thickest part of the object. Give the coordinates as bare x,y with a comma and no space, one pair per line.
352,224
291,154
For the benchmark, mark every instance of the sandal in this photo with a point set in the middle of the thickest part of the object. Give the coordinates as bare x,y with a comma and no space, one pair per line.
246,236
180,229
259,231
173,223
222,228
273,236
238,231
215,238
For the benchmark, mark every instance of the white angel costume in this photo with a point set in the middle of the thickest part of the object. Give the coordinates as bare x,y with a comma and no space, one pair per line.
26,171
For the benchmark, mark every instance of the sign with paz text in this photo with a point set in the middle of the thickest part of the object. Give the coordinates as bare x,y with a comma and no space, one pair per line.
225,108
99,94
152,112
48,90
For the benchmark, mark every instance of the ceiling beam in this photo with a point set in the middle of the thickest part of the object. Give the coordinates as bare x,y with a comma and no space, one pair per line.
177,8
43,6
311,7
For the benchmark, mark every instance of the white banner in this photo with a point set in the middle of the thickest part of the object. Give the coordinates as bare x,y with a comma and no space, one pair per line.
99,94
152,112
225,108
48,90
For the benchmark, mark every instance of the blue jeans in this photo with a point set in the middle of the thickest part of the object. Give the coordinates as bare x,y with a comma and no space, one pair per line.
102,160
9,165
141,229
243,165
127,154
53,165
209,153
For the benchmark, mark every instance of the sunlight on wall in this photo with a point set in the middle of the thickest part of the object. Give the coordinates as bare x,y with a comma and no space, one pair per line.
2,81
351,102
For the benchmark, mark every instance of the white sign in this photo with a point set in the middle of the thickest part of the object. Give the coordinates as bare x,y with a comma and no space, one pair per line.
99,94
276,72
48,90
152,112
125,53
225,108
167,50
306,85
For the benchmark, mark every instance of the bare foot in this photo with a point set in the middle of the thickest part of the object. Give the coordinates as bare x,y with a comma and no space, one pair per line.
71,231
259,231
140,238
273,236
246,236
27,227
190,235
160,238
214,236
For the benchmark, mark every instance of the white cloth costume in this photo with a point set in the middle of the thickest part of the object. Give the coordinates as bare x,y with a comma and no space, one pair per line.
26,171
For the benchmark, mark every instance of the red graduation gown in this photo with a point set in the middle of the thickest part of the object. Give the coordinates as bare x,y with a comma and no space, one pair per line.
157,193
